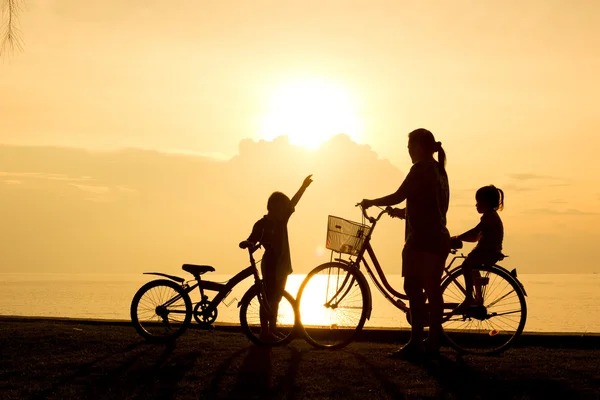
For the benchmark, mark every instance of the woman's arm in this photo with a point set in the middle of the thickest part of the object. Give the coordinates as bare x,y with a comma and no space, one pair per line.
392,199
399,195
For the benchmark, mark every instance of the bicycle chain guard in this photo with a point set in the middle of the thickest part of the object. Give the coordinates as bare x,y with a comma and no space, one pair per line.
203,318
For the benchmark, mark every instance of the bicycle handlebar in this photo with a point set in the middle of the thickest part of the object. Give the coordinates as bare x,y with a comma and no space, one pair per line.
246,244
455,244
373,219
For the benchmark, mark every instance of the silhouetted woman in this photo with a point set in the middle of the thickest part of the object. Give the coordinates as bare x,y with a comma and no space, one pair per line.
427,241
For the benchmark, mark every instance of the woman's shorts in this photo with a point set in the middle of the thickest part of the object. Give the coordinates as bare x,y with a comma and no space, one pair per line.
422,265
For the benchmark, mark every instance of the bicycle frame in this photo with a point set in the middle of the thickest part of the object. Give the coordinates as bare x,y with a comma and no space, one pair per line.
380,280
222,289
378,277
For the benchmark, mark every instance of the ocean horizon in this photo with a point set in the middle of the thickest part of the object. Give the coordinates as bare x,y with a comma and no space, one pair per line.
562,303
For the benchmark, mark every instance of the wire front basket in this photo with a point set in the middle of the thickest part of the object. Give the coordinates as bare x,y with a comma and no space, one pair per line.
345,236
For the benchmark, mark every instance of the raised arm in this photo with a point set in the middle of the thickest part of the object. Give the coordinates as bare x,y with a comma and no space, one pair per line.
300,192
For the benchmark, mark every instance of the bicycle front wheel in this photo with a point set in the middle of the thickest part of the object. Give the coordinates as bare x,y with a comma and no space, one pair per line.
161,310
264,333
495,322
333,302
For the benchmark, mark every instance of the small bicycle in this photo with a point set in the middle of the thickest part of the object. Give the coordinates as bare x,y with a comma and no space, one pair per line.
162,310
334,300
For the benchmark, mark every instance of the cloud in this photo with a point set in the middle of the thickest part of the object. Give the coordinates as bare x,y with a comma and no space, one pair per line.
133,209
511,187
124,189
136,210
569,211
42,175
530,182
92,189
12,182
529,176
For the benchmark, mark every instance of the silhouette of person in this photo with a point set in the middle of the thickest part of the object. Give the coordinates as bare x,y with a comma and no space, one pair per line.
488,234
276,264
427,241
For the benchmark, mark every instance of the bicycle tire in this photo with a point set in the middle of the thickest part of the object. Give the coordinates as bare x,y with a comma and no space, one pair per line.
145,305
327,327
505,311
250,318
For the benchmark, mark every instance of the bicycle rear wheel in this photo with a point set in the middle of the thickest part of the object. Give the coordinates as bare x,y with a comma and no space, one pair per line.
333,302
250,318
495,324
161,310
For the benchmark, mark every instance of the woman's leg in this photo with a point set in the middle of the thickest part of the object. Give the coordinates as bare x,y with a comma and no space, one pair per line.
434,265
416,300
413,286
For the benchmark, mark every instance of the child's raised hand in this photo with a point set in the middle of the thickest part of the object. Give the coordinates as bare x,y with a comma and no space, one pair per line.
307,181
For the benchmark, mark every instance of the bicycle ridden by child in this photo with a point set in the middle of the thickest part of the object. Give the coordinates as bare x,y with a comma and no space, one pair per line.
488,234
276,264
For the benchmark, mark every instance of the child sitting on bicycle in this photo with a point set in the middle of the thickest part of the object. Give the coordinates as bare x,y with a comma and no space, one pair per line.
488,234
276,265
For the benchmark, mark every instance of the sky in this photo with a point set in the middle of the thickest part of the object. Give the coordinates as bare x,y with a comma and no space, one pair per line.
140,135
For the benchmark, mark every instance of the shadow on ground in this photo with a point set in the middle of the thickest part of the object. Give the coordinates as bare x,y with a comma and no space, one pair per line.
67,361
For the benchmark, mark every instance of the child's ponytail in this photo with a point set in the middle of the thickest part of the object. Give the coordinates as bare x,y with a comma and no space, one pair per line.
500,199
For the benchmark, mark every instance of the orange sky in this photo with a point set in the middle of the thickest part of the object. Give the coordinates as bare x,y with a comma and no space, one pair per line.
510,88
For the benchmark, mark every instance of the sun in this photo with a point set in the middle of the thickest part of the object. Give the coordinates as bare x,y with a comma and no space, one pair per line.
310,112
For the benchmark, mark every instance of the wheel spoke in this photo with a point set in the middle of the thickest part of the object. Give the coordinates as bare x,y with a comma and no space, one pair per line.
152,319
332,302
261,329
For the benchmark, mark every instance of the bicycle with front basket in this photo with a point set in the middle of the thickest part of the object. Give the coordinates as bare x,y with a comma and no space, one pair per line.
334,300
162,310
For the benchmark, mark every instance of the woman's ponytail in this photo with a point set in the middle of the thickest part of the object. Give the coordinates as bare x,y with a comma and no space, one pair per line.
425,138
441,157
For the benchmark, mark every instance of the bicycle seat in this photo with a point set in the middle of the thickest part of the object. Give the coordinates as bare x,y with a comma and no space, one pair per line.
197,269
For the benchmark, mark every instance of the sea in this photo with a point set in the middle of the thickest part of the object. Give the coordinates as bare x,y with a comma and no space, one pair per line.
559,303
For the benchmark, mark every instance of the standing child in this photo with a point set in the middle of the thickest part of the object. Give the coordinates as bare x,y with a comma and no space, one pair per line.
488,234
276,264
